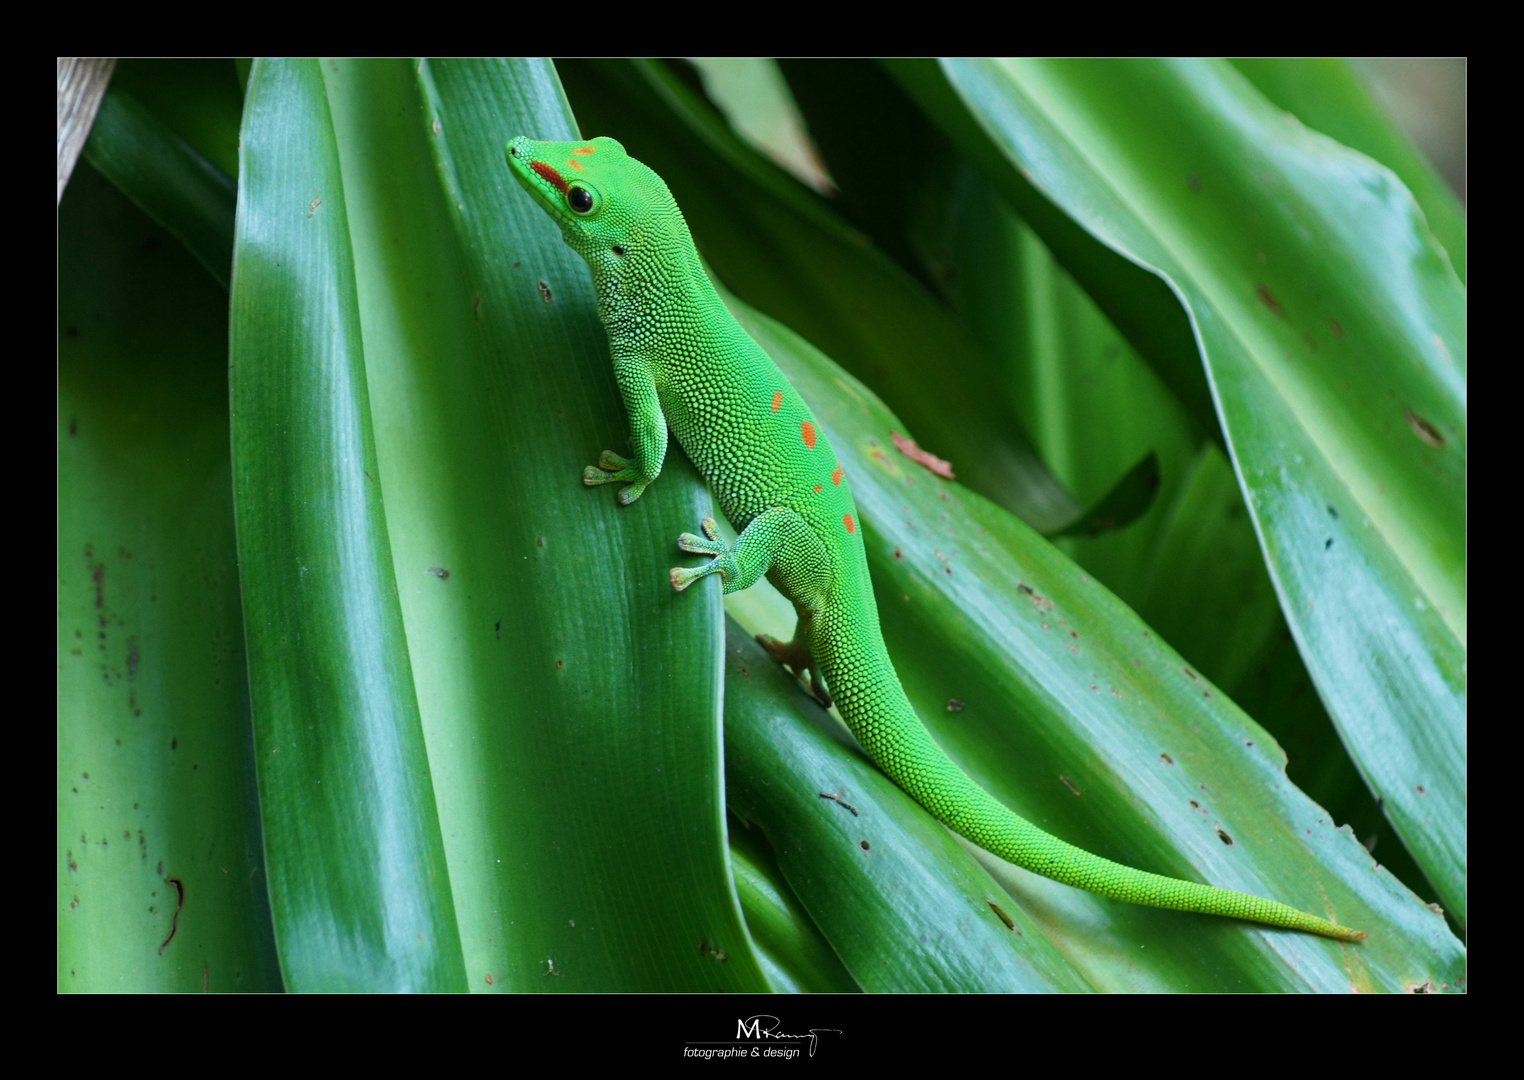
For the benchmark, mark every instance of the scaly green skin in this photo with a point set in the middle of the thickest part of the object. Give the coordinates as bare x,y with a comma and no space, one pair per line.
684,363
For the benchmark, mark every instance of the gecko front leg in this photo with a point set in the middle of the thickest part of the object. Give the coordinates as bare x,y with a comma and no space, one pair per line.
648,433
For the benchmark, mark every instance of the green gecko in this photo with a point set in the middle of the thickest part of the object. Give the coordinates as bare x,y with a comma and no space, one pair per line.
684,364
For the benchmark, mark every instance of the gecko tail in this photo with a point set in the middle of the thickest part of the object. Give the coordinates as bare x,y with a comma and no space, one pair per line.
885,723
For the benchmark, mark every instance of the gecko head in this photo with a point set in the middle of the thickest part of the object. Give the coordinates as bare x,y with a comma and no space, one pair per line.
603,199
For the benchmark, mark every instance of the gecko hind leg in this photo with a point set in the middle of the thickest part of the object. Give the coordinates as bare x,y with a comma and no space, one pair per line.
710,543
796,655
741,564
775,534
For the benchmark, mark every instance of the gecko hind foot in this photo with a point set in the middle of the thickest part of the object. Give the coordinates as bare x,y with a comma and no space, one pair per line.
796,655
723,563
708,544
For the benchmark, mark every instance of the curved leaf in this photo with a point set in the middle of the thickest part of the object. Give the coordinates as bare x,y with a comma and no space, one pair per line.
906,908
1328,96
792,950
1333,333
1053,695
192,198
358,883
161,875
569,699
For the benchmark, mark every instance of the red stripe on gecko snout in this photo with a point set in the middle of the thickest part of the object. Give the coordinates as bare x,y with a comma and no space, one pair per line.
550,175
808,430
849,523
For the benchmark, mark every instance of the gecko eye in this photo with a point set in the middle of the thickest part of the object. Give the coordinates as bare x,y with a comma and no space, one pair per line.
580,199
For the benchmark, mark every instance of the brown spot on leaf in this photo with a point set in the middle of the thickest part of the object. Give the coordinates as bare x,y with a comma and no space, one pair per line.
174,922
1423,429
1009,925
1267,299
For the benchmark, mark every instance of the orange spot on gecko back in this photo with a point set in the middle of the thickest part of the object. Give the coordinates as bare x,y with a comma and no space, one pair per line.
777,400
808,430
849,523
817,487
836,475
584,149
550,176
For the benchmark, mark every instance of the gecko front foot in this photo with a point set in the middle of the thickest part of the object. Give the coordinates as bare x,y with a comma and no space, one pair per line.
796,655
710,543
614,469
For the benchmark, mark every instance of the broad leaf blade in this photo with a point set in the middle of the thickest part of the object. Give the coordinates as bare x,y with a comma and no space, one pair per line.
1052,694
155,755
192,198
906,908
1327,95
570,699
358,882
1333,332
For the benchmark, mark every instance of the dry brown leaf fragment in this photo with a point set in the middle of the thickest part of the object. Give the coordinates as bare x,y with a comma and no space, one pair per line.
915,453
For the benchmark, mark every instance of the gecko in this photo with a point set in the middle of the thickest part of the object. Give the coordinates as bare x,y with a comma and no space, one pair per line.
684,365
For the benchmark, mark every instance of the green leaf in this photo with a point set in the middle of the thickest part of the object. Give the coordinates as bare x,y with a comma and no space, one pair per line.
1123,504
1053,695
1328,96
177,187
1333,333
571,709
793,952
155,754
359,887
906,908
